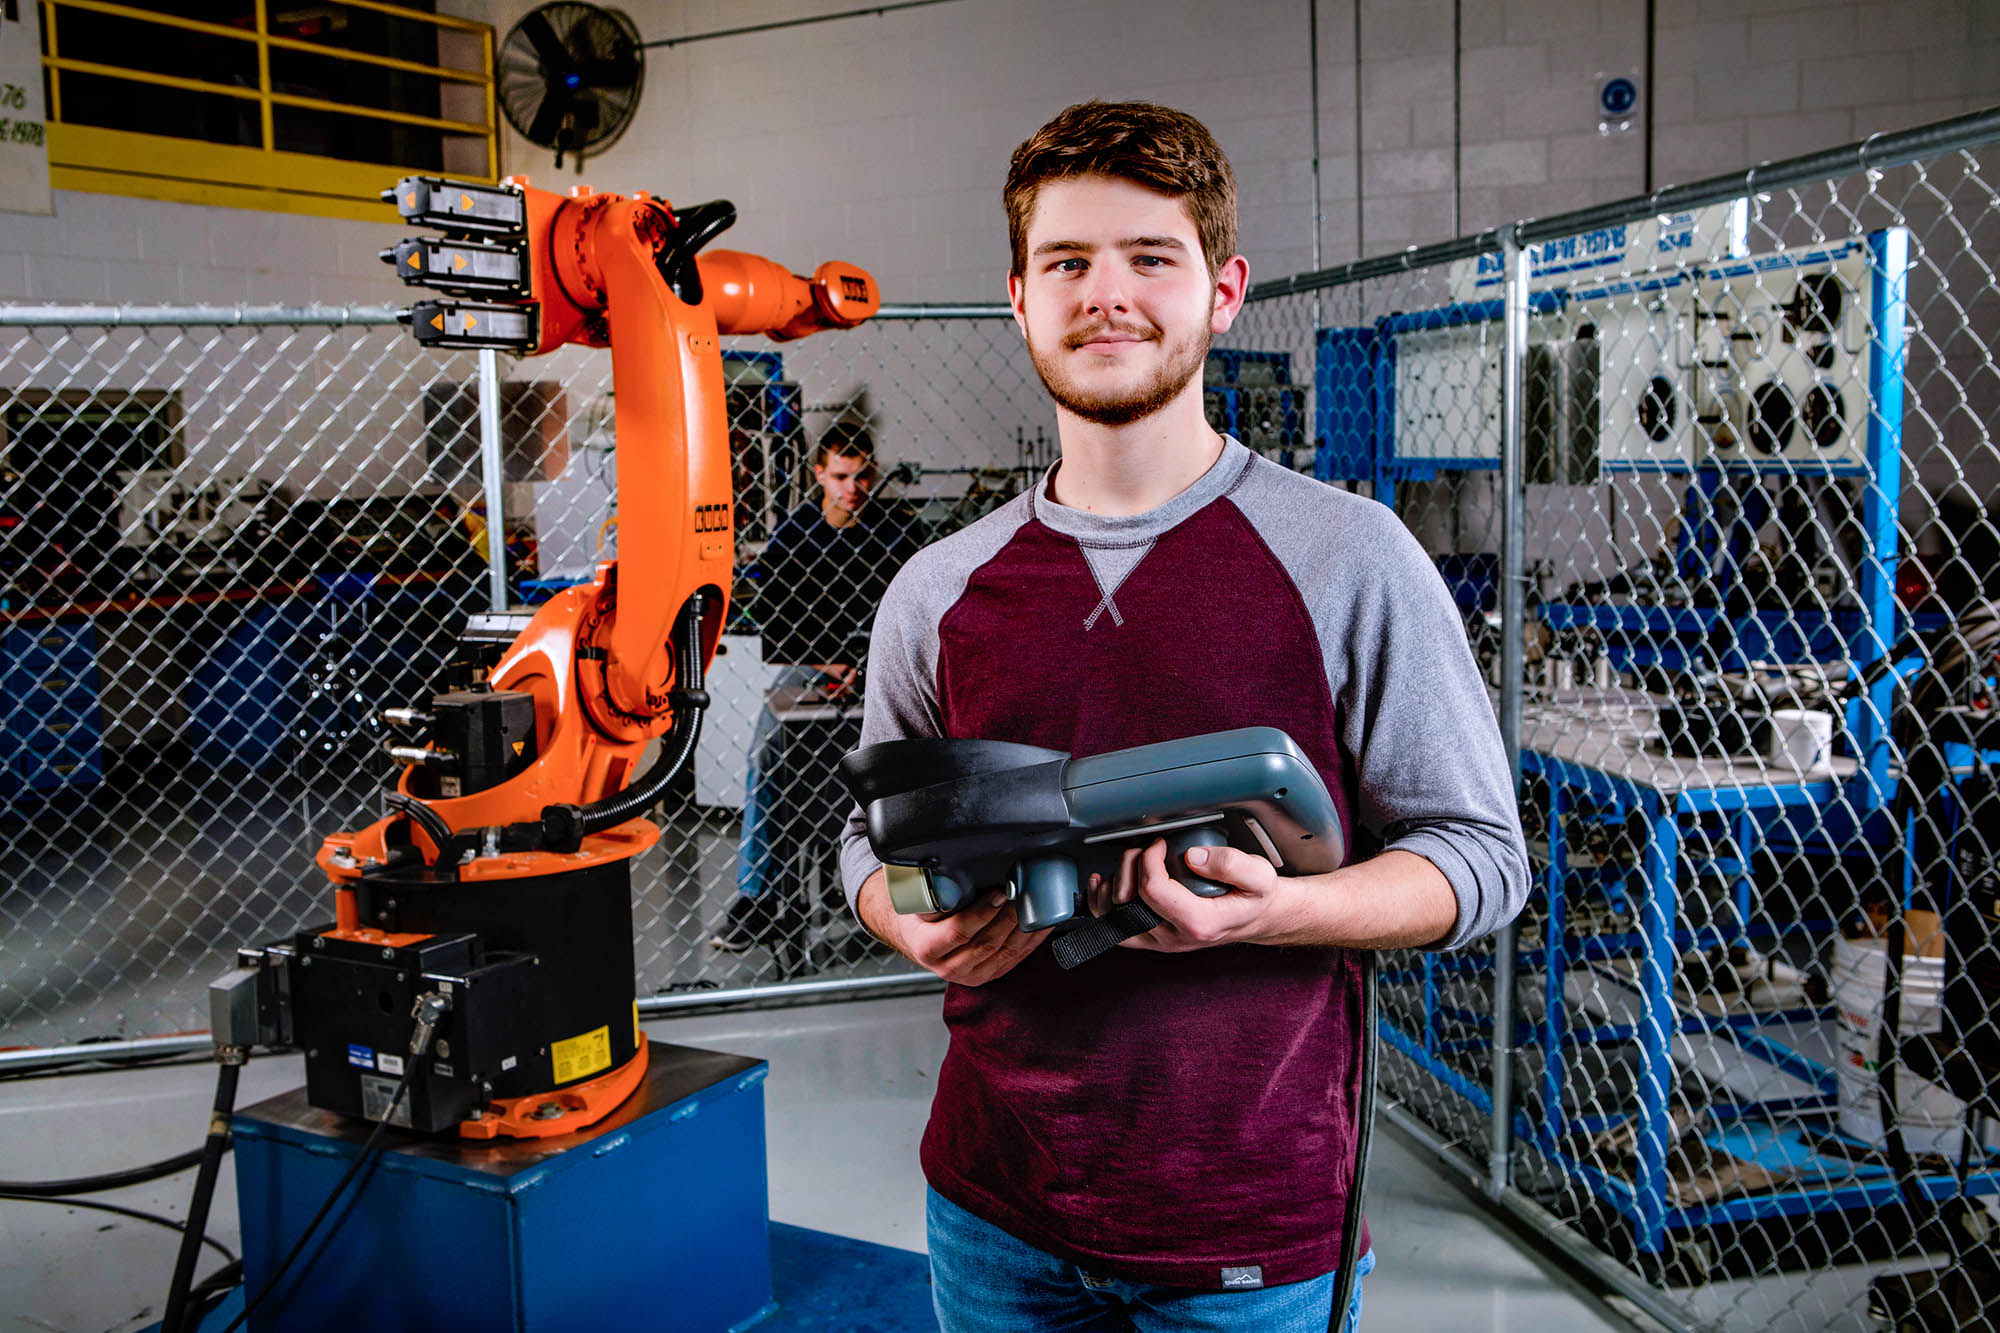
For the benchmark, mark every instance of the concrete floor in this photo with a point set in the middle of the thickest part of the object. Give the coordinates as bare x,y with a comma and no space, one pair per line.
849,1090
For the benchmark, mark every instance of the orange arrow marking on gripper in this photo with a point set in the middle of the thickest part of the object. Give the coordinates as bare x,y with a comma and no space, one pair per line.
416,259
470,322
437,322
465,201
458,263
409,201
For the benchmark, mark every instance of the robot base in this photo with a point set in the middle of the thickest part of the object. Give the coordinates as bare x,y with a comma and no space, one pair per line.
543,1029
657,1217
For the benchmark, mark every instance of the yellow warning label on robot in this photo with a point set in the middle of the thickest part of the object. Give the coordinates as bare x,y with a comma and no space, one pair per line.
638,1037
580,1057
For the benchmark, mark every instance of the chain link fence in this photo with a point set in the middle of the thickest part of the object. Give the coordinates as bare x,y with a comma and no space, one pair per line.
229,539
1709,476
220,546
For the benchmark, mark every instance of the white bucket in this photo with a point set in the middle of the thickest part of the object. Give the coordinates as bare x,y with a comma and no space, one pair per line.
1801,740
1931,1119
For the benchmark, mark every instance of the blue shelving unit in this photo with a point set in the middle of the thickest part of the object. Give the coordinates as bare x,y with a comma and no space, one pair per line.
243,699
51,710
1250,395
1347,429
1711,822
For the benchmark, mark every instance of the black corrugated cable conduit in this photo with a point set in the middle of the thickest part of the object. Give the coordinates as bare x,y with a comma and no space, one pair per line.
563,824
562,828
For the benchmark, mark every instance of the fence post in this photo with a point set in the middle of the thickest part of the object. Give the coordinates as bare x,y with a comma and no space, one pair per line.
492,468
1513,599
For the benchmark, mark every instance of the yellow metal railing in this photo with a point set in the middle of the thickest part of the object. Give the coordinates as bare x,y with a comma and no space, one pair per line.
264,176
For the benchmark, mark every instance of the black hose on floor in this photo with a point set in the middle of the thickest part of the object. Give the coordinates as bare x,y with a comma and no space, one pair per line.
120,1210
212,1290
110,1180
1364,1132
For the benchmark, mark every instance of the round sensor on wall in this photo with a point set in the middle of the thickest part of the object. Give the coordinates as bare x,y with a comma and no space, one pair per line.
1816,304
1773,414
1824,415
1657,409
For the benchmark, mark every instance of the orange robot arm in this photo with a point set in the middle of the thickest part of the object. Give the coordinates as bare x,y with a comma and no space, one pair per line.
601,661
502,855
750,294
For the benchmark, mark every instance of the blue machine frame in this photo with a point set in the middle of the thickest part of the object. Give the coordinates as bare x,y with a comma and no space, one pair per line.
1718,828
1355,403
1250,395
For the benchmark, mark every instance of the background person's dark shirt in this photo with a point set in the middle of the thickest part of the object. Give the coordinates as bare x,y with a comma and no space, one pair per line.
818,585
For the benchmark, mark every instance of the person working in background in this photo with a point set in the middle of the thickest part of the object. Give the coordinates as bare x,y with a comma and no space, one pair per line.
1165,1137
819,580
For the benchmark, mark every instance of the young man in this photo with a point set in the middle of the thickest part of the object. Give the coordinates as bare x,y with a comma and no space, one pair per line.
1164,1138
820,578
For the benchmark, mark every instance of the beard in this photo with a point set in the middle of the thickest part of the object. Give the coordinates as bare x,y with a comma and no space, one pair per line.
1181,363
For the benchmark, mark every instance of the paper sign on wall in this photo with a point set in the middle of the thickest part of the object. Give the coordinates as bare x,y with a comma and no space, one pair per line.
24,148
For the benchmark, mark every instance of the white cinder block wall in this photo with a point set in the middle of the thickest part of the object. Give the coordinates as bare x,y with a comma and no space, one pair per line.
884,138
104,247
1735,82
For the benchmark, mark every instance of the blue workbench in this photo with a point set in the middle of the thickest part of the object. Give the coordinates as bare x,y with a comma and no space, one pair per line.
1588,756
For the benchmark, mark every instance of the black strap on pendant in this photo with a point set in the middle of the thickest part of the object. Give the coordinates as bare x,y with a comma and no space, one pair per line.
1082,943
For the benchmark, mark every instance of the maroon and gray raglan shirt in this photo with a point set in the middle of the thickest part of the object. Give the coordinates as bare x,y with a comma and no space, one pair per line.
1165,1116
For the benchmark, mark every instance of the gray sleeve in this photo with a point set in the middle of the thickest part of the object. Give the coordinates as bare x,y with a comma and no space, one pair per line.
1430,770
1433,775
900,699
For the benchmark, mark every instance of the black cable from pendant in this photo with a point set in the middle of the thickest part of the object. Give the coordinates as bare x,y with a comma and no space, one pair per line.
1364,1133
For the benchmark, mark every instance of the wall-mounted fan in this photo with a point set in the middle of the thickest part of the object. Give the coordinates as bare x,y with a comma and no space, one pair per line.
570,76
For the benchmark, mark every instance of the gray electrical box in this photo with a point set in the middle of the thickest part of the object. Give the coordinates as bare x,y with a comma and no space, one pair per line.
1560,393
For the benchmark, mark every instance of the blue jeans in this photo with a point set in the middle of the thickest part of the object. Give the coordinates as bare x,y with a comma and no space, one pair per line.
985,1281
758,846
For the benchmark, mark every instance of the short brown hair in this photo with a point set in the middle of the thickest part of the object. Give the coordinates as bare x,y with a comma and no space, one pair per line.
847,441
1142,142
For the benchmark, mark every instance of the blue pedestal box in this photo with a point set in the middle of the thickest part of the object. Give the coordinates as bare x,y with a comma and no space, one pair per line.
656,1217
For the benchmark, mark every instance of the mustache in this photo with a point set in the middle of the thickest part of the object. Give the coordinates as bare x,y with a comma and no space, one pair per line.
1075,340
